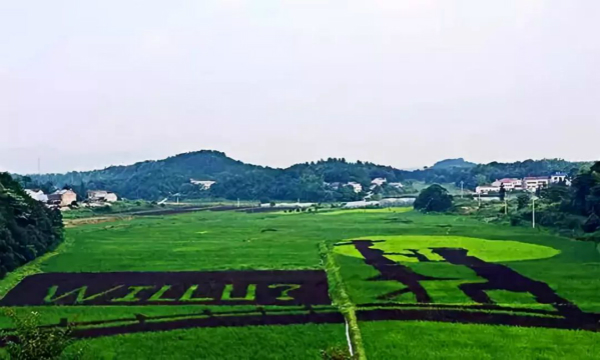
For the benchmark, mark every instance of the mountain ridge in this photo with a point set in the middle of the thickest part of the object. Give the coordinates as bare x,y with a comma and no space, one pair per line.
154,179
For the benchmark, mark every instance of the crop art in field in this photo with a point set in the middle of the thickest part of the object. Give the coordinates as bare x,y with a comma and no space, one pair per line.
302,287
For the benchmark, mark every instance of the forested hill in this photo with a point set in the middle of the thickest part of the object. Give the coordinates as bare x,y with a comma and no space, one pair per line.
151,179
452,163
154,180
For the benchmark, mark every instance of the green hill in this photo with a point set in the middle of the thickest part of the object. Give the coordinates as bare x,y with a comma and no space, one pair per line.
312,181
451,163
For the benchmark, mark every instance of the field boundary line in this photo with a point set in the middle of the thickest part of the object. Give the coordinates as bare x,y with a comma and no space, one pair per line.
342,301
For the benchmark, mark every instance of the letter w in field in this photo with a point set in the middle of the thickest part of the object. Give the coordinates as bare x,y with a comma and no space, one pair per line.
79,295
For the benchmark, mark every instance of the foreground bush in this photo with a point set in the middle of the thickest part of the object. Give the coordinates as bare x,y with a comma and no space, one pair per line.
30,342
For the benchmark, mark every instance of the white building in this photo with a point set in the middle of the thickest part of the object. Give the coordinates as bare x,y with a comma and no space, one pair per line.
559,177
204,184
486,189
397,185
37,195
391,202
356,186
360,204
509,184
378,181
102,195
531,183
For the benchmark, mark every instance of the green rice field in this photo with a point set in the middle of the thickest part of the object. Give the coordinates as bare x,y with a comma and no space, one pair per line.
403,242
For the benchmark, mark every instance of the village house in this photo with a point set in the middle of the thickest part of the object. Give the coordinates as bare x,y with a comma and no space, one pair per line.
101,195
509,184
37,195
62,197
559,177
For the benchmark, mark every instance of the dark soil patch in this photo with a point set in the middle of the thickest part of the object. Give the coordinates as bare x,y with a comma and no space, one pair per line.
268,209
268,230
229,208
500,277
301,287
179,210
390,270
400,221
216,321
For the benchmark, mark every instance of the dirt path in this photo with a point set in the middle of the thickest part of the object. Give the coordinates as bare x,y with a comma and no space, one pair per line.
94,220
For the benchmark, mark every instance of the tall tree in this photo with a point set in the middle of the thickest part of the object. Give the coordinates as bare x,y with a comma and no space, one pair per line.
502,192
434,198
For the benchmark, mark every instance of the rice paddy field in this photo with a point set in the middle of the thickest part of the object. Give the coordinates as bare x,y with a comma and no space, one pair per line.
235,285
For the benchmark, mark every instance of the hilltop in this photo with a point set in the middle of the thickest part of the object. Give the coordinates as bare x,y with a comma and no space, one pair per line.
450,163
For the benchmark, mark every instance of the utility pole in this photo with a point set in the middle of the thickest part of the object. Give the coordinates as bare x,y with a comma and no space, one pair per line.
479,193
462,189
505,206
533,212
238,202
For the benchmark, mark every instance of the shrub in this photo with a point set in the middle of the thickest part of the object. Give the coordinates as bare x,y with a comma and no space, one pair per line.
31,342
522,201
591,224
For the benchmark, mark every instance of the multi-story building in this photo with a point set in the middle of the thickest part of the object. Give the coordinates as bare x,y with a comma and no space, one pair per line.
532,183
509,183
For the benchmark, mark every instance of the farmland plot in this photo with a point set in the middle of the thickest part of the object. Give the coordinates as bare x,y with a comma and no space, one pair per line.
190,283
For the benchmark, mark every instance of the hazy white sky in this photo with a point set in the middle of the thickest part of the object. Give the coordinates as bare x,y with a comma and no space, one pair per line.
87,84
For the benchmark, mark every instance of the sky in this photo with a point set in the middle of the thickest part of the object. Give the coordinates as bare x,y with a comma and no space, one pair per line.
88,84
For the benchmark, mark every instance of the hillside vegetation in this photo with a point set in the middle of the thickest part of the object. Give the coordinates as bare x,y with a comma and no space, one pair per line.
153,180
27,228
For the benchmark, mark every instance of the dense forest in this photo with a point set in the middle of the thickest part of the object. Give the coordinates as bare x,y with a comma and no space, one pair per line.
313,181
27,228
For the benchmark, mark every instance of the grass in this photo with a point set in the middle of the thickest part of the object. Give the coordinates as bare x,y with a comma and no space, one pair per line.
214,241
390,210
488,250
430,340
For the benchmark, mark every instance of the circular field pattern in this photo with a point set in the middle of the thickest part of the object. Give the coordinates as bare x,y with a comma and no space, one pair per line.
488,250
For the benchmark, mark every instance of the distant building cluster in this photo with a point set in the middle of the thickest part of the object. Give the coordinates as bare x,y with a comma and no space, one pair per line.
66,197
357,187
530,183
